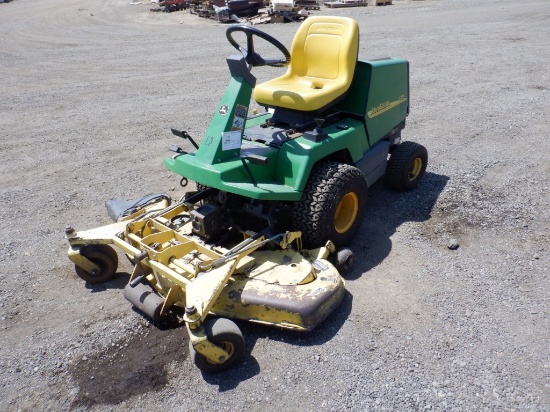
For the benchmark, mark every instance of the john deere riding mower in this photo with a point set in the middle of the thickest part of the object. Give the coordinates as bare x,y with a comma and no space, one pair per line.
280,193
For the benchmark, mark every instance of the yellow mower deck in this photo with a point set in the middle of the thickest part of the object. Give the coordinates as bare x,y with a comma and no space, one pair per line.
288,288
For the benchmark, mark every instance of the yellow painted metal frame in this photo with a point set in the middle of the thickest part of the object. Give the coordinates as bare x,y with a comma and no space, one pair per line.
193,275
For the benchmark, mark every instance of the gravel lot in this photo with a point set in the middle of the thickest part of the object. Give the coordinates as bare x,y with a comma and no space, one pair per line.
88,92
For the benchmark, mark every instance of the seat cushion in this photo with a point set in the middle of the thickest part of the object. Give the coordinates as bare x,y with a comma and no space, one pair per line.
298,93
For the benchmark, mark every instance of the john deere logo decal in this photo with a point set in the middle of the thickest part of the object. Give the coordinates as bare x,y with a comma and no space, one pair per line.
384,107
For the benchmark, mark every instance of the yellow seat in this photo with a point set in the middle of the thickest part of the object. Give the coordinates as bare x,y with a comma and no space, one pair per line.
323,56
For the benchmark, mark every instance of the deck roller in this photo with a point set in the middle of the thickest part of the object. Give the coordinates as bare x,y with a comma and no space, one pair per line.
144,298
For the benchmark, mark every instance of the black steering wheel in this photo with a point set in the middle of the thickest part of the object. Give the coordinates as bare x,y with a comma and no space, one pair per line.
249,54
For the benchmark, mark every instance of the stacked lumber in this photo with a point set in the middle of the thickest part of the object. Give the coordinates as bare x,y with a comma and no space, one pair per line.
346,3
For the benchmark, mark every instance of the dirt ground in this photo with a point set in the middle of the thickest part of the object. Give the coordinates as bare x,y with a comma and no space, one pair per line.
88,91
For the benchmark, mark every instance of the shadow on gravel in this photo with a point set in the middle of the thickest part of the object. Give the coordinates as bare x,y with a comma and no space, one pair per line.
130,368
386,211
231,378
249,368
118,282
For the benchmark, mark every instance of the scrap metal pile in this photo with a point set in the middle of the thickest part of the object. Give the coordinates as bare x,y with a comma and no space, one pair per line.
169,6
241,11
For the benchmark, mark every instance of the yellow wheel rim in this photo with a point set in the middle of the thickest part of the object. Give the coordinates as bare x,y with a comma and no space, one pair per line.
346,212
226,346
414,170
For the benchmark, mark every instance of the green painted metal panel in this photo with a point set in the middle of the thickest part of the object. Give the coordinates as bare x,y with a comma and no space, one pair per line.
285,175
227,172
230,115
232,176
298,156
380,94
388,97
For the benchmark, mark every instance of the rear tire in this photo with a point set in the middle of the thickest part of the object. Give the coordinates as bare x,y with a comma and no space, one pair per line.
332,206
406,166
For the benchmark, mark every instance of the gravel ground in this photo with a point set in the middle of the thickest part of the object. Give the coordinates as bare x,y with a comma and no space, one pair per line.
88,91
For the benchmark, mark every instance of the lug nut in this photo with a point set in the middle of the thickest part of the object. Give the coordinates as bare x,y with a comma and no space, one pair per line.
190,310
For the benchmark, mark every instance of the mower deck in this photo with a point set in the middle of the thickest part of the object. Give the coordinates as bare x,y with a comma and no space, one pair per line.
288,287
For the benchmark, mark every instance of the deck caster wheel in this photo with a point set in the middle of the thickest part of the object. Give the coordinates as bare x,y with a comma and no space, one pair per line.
343,260
406,166
103,256
225,334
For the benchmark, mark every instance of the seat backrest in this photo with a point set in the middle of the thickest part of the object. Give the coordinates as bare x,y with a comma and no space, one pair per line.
325,47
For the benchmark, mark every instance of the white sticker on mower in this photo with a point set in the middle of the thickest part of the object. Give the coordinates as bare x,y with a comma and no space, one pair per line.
231,140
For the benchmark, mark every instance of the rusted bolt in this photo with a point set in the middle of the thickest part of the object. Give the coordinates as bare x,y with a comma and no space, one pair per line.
140,256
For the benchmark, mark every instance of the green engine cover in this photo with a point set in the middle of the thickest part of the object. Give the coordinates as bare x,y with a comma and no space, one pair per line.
379,93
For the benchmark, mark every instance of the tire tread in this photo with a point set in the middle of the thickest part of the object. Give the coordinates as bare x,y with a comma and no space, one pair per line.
308,214
398,165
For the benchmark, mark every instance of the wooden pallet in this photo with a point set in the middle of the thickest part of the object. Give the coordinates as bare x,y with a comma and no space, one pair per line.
308,4
346,3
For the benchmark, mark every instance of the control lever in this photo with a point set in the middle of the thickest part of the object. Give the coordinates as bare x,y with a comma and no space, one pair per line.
255,160
184,135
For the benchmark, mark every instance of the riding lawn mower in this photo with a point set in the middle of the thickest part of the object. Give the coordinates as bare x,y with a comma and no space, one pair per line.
280,193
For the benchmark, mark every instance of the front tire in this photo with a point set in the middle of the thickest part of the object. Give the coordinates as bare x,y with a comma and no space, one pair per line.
225,334
332,206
